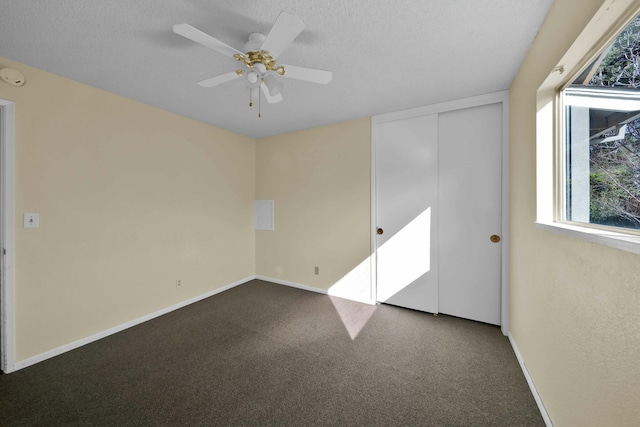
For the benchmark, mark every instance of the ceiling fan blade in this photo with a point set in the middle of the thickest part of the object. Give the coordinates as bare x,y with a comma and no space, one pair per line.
270,99
218,80
283,32
312,75
186,30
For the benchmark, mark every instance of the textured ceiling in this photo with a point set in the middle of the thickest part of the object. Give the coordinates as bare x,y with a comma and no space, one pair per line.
386,55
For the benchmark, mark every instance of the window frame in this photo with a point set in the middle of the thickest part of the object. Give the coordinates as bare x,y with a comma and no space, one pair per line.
561,172
551,135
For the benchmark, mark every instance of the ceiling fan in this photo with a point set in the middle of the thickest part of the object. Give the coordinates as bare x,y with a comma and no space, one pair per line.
260,56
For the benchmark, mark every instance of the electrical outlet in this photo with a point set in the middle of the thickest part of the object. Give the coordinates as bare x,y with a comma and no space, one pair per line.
178,283
316,270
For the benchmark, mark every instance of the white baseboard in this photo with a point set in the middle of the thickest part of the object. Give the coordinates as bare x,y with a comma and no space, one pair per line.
292,284
79,343
534,391
317,290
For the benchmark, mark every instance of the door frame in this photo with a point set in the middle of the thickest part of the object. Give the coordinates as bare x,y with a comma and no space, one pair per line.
501,97
7,236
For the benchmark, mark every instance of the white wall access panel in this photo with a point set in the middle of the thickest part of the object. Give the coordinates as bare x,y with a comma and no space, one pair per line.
264,215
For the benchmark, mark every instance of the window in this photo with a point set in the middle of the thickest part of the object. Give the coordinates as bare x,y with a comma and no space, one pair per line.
588,132
600,176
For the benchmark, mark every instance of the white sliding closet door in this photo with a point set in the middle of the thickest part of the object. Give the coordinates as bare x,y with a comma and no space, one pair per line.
407,214
470,211
438,204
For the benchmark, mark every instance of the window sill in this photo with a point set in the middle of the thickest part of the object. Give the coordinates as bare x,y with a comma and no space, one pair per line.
625,242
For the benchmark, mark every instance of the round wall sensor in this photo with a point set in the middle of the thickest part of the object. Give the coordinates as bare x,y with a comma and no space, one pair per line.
11,76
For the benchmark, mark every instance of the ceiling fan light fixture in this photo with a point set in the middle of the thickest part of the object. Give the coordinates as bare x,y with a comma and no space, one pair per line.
253,77
273,84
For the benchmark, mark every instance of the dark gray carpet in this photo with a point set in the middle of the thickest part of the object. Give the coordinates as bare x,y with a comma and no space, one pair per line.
264,354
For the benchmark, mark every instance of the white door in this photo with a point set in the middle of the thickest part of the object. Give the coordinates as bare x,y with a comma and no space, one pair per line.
407,193
470,212
7,293
438,202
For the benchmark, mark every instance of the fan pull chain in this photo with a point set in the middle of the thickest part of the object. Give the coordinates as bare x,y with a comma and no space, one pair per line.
259,104
250,96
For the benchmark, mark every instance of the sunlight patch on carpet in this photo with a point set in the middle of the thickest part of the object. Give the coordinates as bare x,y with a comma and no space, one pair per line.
354,315
351,297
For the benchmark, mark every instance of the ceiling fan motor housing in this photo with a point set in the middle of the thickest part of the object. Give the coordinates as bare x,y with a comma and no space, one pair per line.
255,42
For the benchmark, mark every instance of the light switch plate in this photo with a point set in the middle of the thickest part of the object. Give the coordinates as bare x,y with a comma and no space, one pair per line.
31,220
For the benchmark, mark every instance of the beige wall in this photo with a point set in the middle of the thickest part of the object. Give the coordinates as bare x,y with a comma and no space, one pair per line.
319,180
575,306
130,198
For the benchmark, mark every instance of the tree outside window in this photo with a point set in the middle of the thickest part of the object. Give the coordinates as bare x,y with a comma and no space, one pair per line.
608,135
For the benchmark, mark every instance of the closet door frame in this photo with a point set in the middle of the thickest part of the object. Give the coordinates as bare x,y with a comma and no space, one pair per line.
476,101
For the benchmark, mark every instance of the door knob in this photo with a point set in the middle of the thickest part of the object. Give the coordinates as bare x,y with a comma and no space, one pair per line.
494,238
379,231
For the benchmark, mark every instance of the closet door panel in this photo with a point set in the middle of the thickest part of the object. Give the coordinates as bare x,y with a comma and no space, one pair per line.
470,187
407,212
